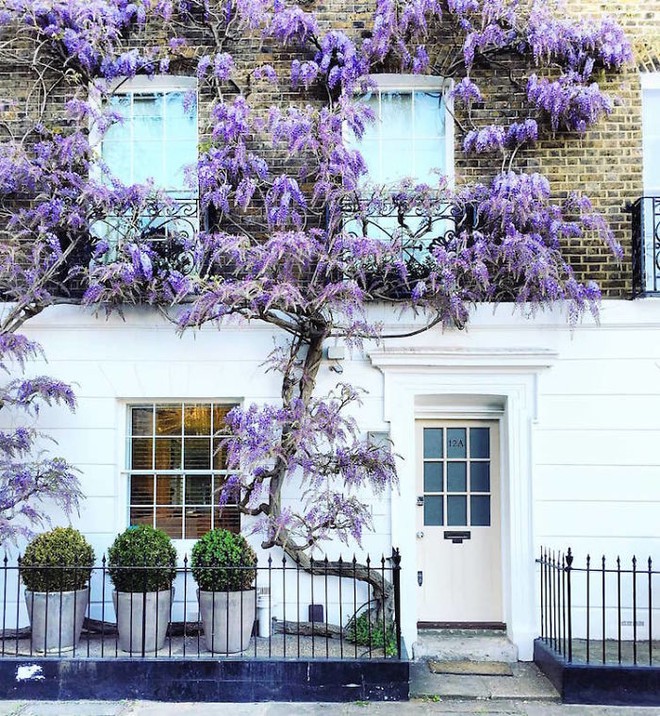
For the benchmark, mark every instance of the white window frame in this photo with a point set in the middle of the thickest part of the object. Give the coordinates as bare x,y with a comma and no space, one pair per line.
651,278
126,472
391,82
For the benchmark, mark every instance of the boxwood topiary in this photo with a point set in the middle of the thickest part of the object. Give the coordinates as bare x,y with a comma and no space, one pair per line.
142,559
223,561
67,553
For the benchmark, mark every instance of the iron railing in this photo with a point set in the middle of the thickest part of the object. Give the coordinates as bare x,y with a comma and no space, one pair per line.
645,215
602,611
347,610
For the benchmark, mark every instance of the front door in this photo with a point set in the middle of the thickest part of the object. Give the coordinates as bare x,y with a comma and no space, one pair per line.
459,571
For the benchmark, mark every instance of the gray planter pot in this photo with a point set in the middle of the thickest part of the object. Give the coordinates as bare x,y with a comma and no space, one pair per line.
56,618
142,619
228,619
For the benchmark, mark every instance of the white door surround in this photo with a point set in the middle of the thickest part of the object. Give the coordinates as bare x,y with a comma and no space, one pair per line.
469,384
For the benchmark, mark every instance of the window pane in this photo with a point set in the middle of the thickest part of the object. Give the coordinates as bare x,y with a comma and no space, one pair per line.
432,477
219,415
433,510
198,522
168,419
197,419
479,442
456,477
457,510
219,455
148,162
169,490
395,115
170,520
433,442
429,115
142,489
480,477
117,156
168,454
197,454
198,490
370,151
142,422
142,516
456,439
178,158
395,160
142,454
228,518
480,510
429,159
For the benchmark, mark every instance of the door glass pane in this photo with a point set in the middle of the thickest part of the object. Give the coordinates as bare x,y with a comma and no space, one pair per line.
432,442
480,477
480,442
480,510
456,477
457,510
432,477
433,510
456,442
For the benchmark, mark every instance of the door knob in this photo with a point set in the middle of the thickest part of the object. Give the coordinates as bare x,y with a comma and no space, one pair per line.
420,534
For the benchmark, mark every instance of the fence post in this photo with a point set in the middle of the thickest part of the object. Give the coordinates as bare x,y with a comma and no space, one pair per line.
569,563
396,581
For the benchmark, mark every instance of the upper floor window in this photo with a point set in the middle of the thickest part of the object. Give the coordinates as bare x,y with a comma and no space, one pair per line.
646,253
177,467
155,138
413,134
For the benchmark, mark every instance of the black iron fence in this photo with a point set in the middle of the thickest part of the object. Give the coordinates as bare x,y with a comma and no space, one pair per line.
645,214
602,610
341,609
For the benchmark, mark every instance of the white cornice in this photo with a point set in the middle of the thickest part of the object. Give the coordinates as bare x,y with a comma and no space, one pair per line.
491,359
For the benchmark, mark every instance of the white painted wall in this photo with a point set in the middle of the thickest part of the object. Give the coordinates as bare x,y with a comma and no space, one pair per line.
580,409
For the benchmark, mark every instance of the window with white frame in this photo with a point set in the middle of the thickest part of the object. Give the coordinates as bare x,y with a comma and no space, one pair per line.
650,208
412,135
155,138
176,468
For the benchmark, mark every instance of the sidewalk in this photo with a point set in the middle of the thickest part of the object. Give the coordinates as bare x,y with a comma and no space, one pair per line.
416,707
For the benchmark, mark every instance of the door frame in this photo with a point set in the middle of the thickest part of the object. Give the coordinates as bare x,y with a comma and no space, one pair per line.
446,417
485,384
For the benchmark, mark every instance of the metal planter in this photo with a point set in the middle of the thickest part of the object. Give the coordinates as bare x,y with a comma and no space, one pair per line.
56,618
142,619
228,619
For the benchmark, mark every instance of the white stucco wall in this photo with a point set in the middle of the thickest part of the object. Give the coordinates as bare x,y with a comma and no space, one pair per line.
579,406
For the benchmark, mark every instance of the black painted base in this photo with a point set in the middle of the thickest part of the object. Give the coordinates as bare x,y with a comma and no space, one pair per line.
222,680
605,684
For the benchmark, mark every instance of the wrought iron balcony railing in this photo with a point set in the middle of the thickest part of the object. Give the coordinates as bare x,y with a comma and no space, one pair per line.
645,213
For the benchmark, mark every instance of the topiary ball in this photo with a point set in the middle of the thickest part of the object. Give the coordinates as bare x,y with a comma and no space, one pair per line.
223,562
142,559
67,553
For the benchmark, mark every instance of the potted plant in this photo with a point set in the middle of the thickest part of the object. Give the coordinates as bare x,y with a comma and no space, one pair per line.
223,565
55,569
142,566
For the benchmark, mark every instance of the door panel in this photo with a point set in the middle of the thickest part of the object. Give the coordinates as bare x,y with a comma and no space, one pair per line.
458,521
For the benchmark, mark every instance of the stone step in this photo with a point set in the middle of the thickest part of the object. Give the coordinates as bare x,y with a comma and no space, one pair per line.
526,684
458,644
